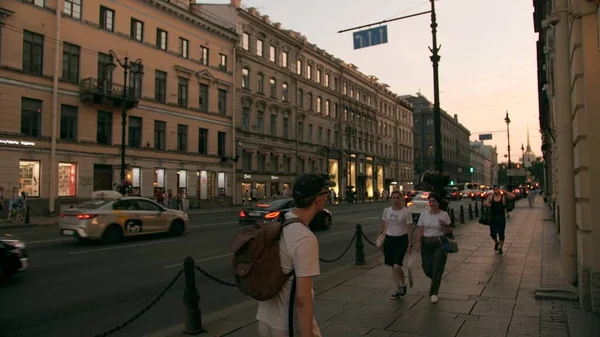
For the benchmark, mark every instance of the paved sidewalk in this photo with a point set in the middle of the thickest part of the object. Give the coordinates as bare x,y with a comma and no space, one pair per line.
34,221
482,294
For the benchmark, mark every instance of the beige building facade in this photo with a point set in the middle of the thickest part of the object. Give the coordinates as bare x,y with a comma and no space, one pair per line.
303,110
569,81
62,101
484,161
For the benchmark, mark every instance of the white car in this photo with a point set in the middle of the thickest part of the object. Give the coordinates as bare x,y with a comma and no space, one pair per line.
418,205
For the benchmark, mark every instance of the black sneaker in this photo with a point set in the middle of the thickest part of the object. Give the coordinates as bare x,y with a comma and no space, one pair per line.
402,290
496,246
500,251
395,295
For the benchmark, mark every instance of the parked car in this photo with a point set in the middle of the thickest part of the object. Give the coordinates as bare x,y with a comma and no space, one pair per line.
418,205
275,209
13,256
109,216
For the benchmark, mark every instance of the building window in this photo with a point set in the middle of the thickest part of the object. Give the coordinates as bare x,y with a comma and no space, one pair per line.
182,92
299,67
246,78
245,118
273,84
203,141
221,143
162,37
259,48
33,53
137,30
182,138
73,8
135,132
328,140
327,80
320,136
246,41
204,55
272,54
327,108
70,63
29,177
274,125
309,72
182,179
310,133
160,86
335,83
184,47
285,93
67,179
310,101
300,98
31,117
335,110
135,79
160,135
107,19
260,163
301,131
221,182
345,89
284,59
287,163
223,62
247,161
318,77
319,102
274,163
41,3
68,122
159,179
203,98
286,127
260,121
222,102
104,128
104,72
260,79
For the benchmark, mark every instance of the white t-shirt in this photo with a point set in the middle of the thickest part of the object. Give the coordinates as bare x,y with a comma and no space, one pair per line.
298,250
396,221
431,222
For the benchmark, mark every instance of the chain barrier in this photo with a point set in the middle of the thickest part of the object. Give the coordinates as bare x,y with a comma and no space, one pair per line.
344,253
205,273
367,239
143,311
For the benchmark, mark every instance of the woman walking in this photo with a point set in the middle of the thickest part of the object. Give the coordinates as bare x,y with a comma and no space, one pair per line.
396,223
497,204
433,226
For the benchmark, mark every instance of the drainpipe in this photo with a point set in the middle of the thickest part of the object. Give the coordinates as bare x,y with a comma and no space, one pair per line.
564,137
53,164
233,120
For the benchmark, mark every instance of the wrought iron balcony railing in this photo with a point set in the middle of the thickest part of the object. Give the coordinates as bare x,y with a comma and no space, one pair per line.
106,92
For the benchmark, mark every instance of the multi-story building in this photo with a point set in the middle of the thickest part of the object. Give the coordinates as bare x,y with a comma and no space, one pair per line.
301,109
456,153
568,80
64,95
484,161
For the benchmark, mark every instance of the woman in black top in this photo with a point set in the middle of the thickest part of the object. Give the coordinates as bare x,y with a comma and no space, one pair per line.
497,204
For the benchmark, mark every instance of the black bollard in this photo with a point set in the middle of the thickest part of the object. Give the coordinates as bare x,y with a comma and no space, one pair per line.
359,258
477,210
27,218
452,218
470,212
193,316
462,214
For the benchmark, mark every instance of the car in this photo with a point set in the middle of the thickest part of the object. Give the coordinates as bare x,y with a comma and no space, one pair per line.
275,210
486,193
418,205
452,193
110,216
13,256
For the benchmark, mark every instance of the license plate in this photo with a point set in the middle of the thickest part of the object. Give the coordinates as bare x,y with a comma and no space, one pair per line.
68,232
254,213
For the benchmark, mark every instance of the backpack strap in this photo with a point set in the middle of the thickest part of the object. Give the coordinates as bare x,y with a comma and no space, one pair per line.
291,308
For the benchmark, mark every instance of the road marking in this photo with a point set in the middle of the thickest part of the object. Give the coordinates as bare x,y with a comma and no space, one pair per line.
121,247
213,224
365,219
45,241
180,264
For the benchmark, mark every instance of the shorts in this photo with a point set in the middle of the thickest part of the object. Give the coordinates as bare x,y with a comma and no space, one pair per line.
394,249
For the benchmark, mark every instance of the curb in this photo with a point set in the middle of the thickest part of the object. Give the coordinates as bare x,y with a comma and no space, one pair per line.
176,330
30,225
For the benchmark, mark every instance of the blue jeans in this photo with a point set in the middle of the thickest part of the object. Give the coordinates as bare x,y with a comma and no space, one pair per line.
497,227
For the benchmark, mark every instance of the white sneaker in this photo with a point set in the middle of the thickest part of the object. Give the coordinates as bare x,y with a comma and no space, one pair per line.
434,299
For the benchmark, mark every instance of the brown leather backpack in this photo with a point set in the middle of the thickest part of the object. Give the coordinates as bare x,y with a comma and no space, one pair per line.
256,261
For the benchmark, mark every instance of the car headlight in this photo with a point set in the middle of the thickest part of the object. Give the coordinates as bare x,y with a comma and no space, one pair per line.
14,243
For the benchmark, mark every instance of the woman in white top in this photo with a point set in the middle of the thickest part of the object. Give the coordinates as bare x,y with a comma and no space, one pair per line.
397,225
432,226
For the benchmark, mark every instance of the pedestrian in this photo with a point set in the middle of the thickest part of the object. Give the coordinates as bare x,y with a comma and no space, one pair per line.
397,224
497,204
1,199
299,251
433,227
13,204
245,199
531,197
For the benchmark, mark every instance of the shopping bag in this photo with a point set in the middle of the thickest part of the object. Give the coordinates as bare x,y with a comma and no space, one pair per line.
413,262
485,216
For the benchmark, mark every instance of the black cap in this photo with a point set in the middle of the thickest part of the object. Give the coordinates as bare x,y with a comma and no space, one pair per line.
309,185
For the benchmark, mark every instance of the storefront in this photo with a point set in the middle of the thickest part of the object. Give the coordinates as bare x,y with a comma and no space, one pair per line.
369,180
333,170
266,185
210,184
380,178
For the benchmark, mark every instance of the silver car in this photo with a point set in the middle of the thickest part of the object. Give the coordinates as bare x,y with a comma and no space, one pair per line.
109,216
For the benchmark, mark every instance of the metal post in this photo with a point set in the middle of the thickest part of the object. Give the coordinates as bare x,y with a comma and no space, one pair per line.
462,214
507,120
452,218
470,212
476,209
124,120
193,316
359,258
435,59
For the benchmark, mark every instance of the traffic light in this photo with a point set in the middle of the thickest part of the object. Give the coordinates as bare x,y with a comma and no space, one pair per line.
471,169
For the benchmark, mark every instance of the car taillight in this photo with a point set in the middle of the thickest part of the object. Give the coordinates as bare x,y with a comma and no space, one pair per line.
85,216
272,215
242,214
410,204
62,215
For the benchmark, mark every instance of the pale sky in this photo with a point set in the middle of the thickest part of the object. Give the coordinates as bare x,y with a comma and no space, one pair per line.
488,52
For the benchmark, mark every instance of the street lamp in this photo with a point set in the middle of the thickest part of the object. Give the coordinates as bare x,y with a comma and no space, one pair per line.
136,68
507,120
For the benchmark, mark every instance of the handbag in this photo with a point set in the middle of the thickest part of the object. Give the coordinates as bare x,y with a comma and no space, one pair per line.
449,245
485,216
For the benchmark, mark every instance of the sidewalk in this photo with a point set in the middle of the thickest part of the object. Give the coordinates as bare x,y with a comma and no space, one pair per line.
34,221
482,294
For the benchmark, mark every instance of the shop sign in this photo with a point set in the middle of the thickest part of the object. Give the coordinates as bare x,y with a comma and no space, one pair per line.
274,178
16,142
247,176
394,183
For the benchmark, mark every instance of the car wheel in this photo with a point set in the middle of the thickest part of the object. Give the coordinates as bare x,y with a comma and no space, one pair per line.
327,222
177,228
113,234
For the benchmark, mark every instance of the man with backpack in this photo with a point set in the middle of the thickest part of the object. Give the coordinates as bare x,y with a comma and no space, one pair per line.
499,203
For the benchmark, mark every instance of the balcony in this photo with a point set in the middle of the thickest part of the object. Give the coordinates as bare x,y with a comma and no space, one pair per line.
103,92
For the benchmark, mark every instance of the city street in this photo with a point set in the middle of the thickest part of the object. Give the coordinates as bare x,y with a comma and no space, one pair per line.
75,289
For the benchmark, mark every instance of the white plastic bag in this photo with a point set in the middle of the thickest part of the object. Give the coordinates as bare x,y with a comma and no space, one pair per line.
413,263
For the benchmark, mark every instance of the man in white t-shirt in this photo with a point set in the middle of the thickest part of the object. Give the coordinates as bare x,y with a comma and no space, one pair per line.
299,251
396,223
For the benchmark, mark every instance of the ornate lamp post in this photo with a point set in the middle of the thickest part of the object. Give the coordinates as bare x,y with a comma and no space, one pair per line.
507,120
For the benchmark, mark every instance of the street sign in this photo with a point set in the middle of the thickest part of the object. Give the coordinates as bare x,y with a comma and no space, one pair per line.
485,136
370,37
516,172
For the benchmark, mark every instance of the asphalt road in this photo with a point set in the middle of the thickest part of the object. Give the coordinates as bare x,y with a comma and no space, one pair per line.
83,289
